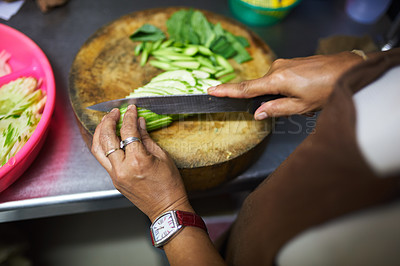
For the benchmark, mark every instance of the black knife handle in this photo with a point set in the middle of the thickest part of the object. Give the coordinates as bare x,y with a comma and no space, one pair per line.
259,100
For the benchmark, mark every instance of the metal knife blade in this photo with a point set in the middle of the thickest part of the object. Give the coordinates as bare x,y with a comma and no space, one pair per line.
187,104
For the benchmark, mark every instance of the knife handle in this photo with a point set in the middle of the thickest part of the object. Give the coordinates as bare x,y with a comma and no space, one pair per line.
259,100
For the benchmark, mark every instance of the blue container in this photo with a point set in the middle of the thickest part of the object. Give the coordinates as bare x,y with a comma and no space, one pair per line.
257,15
366,11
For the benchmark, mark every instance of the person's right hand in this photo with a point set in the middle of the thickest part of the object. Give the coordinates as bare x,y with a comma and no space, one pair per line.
143,172
307,82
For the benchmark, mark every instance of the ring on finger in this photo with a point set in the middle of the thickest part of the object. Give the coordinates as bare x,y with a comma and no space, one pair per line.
111,151
127,141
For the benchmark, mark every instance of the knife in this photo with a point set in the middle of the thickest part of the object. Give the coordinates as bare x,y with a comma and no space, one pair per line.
187,104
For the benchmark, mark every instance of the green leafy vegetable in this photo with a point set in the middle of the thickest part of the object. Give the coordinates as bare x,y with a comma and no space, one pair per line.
243,41
201,27
147,33
192,27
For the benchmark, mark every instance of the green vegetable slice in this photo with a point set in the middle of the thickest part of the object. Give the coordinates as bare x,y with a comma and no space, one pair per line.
167,83
148,33
181,75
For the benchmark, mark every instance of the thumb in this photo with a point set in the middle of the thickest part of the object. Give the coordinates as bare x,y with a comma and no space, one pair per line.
244,89
280,107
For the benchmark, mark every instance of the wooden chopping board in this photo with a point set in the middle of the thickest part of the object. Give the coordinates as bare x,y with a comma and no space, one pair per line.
208,149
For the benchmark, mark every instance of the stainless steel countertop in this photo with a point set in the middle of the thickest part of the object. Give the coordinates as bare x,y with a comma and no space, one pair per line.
65,178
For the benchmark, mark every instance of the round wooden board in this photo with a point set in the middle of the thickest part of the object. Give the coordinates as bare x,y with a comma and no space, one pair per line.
208,149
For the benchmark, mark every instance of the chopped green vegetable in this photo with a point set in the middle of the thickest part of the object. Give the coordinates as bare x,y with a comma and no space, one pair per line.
223,47
243,41
223,62
163,65
147,33
156,45
21,105
186,64
191,50
242,54
139,48
146,52
169,83
223,72
227,78
166,43
193,57
192,27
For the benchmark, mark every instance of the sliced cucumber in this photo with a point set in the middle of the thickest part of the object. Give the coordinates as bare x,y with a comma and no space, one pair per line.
200,74
204,61
186,64
152,90
227,78
223,72
223,62
177,84
182,75
205,51
166,43
191,50
208,70
173,55
210,82
167,90
163,65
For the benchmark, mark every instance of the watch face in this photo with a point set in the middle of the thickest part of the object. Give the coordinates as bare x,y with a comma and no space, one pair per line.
164,227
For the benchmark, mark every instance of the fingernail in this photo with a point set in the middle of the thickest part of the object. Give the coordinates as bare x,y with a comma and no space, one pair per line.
211,89
142,123
114,110
261,116
103,118
132,106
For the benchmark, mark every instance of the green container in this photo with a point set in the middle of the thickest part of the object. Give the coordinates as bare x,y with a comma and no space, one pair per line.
259,16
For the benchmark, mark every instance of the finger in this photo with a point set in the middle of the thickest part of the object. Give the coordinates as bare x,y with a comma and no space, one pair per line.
97,150
130,129
280,107
108,137
244,89
148,142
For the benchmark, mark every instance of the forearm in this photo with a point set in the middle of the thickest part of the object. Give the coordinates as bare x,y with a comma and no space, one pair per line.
192,246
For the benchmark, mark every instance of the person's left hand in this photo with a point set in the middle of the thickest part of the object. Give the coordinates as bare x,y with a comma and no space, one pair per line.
144,173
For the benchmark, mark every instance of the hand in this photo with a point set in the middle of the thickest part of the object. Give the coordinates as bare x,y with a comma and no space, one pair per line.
144,173
307,82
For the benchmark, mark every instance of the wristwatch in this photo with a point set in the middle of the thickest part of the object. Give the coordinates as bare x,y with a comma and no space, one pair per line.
168,224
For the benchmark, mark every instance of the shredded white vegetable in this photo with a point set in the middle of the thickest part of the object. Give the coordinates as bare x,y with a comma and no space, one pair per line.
21,107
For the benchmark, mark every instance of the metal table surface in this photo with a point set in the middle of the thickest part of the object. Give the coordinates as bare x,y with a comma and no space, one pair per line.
65,178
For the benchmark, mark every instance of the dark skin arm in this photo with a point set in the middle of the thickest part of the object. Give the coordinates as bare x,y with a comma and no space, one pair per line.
306,82
147,176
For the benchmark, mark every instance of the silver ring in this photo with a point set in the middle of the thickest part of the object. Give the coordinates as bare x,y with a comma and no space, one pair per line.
127,141
111,151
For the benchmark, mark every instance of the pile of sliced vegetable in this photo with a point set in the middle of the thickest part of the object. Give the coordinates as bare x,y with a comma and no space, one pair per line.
21,106
176,82
194,58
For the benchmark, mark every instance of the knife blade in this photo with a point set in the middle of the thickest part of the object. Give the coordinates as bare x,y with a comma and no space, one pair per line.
187,104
